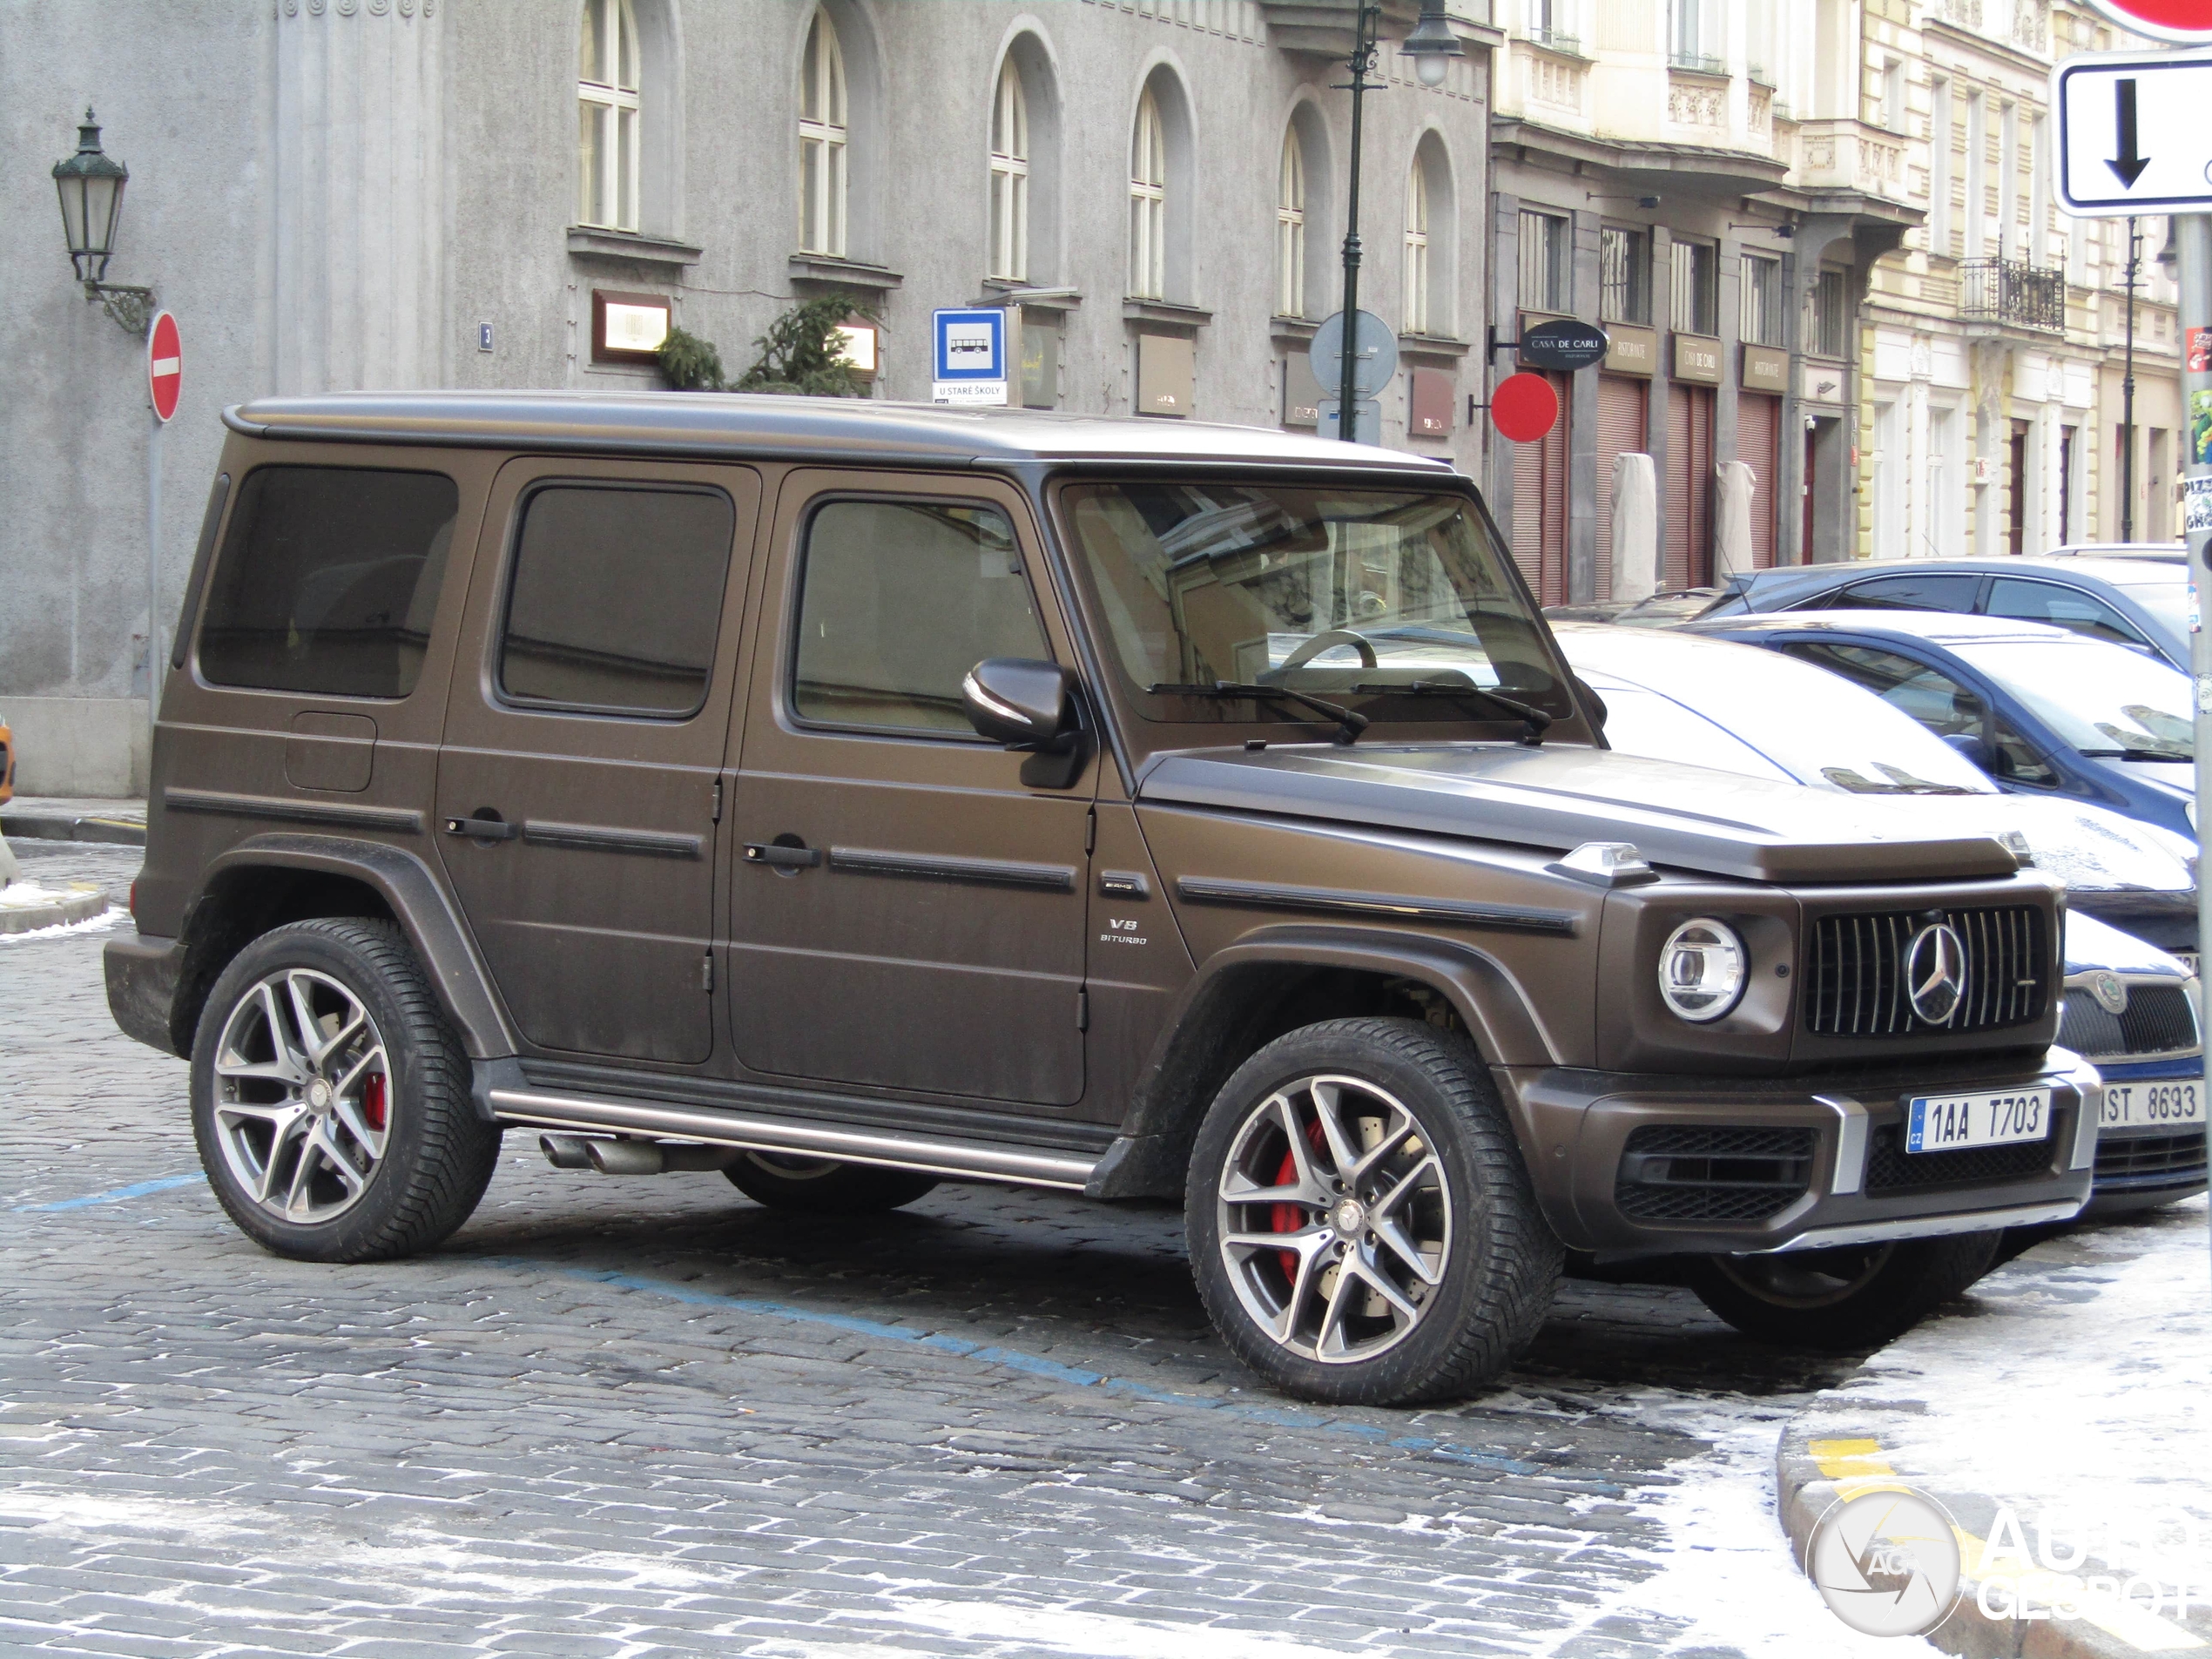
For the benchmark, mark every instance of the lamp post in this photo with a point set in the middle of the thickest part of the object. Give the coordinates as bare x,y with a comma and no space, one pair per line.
91,186
1430,47
2128,394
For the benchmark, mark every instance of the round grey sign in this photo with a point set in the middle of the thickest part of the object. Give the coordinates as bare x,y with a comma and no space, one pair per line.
1886,1563
1374,353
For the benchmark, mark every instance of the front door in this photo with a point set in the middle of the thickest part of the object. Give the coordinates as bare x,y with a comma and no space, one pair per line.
905,914
578,785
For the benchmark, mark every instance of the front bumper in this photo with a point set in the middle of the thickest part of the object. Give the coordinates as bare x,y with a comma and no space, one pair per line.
2142,1166
1834,1140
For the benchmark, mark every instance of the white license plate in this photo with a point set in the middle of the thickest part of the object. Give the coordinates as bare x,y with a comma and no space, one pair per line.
1948,1122
2151,1105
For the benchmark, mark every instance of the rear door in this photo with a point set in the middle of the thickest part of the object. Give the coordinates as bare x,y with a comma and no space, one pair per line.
578,787
906,913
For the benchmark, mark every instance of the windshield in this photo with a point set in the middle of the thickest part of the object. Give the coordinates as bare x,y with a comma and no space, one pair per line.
2100,699
1382,600
2167,600
1816,726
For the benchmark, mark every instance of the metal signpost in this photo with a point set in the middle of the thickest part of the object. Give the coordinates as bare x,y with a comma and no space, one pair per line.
164,385
969,349
1364,371
2133,140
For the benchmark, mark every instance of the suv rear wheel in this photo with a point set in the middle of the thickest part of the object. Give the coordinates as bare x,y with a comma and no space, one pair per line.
1844,1298
1362,1228
330,1101
823,1187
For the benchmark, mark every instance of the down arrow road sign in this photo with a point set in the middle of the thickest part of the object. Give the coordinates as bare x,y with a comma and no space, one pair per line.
2132,134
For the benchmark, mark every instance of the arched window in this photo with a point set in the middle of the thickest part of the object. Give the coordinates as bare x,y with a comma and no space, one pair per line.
1289,230
821,141
1147,203
606,135
1417,285
1010,176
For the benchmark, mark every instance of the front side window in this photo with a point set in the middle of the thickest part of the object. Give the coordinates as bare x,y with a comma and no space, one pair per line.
822,135
1396,602
1147,203
616,599
897,600
1696,302
1954,593
1933,698
1763,313
1543,261
1417,251
328,580
607,116
1624,275
1290,231
1010,178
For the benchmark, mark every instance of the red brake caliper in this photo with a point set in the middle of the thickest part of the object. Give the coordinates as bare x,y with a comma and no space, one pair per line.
1288,1218
372,1101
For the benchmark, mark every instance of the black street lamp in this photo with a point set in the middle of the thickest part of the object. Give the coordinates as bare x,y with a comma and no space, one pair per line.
1430,45
91,184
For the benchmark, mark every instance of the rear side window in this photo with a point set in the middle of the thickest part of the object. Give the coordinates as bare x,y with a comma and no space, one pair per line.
328,580
1908,593
899,599
1933,698
617,599
2061,607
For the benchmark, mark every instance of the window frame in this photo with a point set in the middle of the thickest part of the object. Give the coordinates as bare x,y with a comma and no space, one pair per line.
1821,314
1418,270
1147,200
828,132
1558,262
1700,301
518,515
787,682
1635,276
1290,226
1008,256
1764,319
620,184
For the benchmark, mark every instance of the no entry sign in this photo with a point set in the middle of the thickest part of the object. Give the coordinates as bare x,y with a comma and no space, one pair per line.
2181,20
164,366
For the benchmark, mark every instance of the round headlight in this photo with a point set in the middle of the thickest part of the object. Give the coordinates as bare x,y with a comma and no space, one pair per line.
1702,969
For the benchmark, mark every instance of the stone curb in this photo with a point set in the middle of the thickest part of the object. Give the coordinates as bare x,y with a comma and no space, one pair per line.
1803,1493
59,826
80,902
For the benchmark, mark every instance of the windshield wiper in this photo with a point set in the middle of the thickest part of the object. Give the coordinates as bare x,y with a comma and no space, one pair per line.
1349,725
1537,721
2135,754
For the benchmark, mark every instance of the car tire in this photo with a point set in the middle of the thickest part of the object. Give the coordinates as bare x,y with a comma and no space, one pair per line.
330,1098
1438,1272
821,1187
1841,1300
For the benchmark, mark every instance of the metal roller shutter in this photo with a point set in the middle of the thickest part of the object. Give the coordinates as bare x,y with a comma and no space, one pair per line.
1620,430
1758,436
1689,487
1540,505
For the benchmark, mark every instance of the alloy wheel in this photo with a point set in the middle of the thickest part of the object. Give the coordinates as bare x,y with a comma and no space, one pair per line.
1335,1219
303,1095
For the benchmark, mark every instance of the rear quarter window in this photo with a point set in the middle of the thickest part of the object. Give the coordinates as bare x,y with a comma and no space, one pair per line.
328,580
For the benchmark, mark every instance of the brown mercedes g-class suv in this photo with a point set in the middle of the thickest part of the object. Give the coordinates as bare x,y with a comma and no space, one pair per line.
847,797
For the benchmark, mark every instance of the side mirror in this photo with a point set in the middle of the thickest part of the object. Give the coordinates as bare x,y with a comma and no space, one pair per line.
1030,707
1593,704
1974,748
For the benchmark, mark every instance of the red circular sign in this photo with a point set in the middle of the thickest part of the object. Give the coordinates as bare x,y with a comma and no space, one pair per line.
2181,20
1524,407
164,364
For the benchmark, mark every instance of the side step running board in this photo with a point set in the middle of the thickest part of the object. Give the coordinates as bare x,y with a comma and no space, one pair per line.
971,1160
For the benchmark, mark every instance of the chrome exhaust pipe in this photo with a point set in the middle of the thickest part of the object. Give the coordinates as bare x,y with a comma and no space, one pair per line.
656,1157
566,1151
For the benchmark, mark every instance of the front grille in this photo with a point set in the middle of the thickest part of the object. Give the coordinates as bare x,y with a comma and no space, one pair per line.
1855,986
2158,1020
1890,1168
2151,1161
1700,1172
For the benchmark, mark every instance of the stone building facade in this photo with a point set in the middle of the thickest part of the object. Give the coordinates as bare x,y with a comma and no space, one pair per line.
406,193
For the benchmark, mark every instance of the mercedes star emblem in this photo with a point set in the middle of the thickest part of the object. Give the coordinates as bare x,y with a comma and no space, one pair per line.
1935,973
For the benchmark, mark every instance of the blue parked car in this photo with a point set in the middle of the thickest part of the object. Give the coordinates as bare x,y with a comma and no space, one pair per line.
2043,711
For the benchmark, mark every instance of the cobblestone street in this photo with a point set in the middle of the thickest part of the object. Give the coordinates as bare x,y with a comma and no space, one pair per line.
644,1416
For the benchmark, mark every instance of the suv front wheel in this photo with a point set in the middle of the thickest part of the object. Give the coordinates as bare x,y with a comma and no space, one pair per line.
1361,1226
330,1100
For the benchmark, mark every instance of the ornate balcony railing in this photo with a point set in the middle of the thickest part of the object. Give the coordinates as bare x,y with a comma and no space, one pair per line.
2009,290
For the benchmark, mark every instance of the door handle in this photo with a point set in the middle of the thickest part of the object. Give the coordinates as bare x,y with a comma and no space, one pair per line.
778,855
483,829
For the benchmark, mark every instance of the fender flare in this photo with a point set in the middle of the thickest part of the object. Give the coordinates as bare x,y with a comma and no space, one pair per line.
1147,1159
417,900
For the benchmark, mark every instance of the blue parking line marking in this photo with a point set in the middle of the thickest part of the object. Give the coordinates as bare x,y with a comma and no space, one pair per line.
114,1196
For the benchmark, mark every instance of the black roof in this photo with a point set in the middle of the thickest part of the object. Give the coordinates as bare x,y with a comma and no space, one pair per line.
813,428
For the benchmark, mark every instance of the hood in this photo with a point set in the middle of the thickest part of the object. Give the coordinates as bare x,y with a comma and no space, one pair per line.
2091,945
2091,848
1690,818
2176,777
